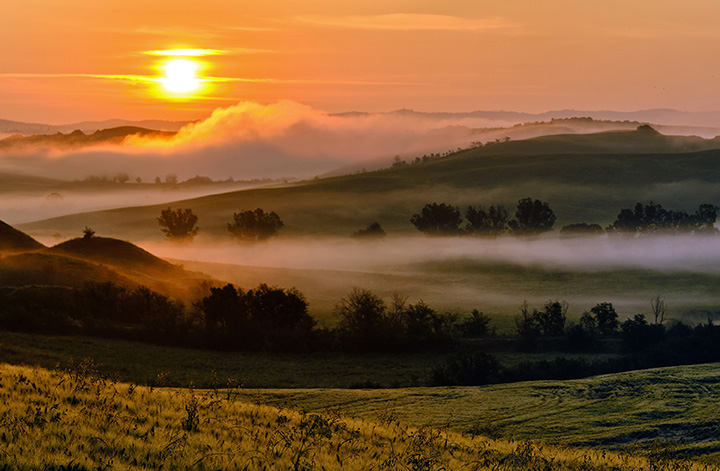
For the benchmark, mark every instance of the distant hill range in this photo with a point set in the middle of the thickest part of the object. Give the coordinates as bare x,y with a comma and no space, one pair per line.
87,127
662,116
568,135
78,138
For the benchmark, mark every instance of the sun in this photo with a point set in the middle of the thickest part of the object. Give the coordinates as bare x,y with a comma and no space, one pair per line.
181,76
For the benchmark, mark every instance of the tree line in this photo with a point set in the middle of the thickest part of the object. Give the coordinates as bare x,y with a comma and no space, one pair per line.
273,319
534,217
229,318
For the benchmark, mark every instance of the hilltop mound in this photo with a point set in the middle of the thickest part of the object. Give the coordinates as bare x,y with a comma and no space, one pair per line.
133,264
114,252
12,239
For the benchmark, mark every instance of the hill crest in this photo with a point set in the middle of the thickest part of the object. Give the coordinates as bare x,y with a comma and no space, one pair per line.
113,252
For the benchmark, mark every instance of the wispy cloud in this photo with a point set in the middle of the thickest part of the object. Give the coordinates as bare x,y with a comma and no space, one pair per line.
186,52
154,79
409,22
120,77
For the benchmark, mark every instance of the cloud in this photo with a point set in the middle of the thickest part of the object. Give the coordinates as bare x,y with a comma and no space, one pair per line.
409,22
188,52
300,130
252,140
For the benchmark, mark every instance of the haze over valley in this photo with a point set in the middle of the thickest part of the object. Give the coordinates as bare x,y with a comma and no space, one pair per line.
375,235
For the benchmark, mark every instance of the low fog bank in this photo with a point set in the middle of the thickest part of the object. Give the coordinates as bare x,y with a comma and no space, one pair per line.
582,254
288,139
459,275
249,140
19,208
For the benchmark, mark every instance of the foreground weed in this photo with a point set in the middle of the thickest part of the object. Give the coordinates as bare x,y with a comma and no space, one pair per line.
191,422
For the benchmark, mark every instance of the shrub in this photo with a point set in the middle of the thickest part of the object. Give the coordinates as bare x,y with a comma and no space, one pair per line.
373,231
178,225
253,226
437,219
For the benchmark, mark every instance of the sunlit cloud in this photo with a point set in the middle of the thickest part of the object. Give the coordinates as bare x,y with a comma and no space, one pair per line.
210,79
409,22
186,52
119,77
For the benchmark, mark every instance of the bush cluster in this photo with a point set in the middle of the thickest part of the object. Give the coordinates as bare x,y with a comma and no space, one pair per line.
104,309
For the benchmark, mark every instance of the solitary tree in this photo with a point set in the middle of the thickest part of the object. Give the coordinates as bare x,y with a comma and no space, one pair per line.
532,217
178,225
658,308
437,219
606,318
373,231
552,318
253,226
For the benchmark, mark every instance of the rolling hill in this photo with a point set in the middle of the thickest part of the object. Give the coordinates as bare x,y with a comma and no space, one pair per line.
585,178
114,252
81,420
90,260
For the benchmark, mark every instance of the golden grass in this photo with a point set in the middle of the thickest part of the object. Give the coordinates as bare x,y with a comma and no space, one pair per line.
79,420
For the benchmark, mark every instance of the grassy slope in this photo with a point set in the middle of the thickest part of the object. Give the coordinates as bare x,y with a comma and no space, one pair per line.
590,185
13,240
78,420
614,411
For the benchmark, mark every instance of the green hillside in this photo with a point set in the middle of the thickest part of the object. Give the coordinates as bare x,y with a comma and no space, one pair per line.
619,411
653,419
79,420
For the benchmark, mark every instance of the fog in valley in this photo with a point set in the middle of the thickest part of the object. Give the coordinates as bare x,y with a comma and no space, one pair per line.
25,206
287,139
461,274
250,141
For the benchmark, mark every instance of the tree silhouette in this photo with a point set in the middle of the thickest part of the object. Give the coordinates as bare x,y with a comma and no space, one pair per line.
437,219
653,218
178,225
373,231
606,318
253,226
532,217
581,228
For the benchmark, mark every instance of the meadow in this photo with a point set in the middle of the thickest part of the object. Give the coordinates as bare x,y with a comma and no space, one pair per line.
77,419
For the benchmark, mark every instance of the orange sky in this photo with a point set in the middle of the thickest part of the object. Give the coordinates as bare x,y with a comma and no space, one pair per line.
73,60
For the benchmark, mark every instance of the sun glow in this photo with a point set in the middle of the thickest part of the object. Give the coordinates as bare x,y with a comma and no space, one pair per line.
181,76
